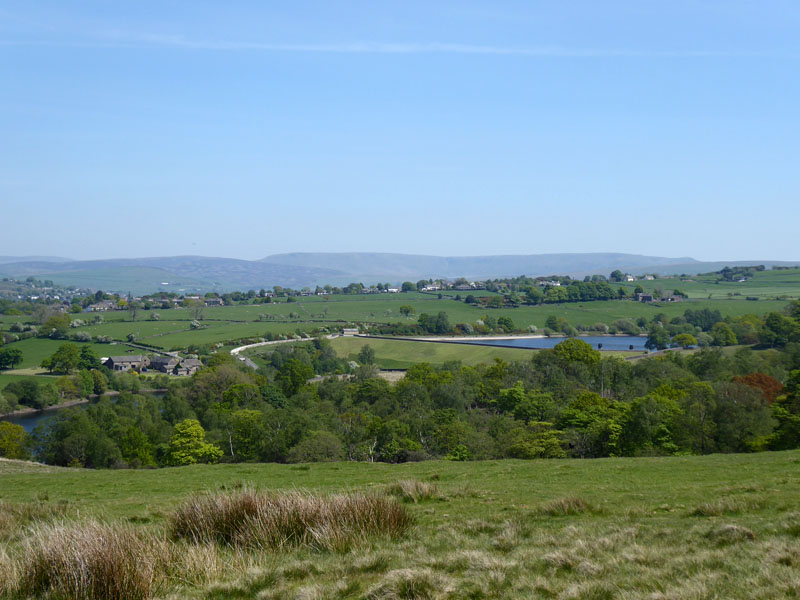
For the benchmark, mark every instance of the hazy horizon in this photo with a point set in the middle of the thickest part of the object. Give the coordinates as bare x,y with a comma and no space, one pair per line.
148,256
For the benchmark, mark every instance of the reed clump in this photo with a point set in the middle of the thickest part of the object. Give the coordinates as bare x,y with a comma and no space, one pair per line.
413,490
251,519
90,561
563,507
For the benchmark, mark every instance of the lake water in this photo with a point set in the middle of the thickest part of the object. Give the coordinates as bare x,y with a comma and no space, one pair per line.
609,342
31,420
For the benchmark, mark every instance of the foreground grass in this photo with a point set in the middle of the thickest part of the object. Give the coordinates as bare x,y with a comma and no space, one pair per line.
695,527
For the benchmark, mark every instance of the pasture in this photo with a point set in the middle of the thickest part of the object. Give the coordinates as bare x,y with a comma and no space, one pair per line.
720,526
762,284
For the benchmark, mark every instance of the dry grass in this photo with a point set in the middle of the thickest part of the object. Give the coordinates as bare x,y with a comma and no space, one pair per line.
411,584
8,574
90,561
15,516
251,519
413,490
730,534
727,506
564,507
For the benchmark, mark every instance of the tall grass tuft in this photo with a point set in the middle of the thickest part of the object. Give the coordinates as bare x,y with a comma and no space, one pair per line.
89,561
413,490
566,506
8,574
268,521
411,584
15,516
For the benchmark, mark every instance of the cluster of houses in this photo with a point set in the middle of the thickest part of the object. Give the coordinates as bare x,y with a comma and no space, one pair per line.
164,364
106,305
652,298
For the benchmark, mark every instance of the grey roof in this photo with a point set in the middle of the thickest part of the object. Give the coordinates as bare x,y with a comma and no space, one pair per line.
128,358
188,363
165,360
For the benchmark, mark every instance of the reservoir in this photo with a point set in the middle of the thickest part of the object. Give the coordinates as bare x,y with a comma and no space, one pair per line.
598,342
30,420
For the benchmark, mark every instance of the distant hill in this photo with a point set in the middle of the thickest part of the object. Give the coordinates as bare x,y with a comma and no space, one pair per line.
297,270
16,259
143,275
376,266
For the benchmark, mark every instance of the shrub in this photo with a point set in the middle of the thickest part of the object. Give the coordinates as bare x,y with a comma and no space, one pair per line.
268,521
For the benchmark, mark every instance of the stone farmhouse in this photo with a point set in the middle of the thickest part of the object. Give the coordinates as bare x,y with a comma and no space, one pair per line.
129,362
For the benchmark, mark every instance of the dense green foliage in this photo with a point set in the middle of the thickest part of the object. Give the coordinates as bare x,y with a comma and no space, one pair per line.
569,401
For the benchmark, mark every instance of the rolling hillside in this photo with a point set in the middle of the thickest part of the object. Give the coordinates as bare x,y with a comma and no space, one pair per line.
298,270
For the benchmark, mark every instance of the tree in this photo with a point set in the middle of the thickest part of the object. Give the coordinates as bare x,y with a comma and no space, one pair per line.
684,340
617,275
723,335
779,330
533,295
187,445
10,357
318,446
408,287
293,375
406,310
88,359
134,306
438,324
65,360
506,324
25,391
196,308
576,350
769,386
14,441
99,382
136,448
56,326
366,356
657,338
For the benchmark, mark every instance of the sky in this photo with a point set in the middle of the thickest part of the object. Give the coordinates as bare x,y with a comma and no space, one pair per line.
244,129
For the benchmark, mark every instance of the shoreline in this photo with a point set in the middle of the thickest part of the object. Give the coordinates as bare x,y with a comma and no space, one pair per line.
28,411
524,336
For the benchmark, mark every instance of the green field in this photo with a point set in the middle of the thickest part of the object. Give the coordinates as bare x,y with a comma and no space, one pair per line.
229,324
648,528
35,350
763,284
401,354
7,377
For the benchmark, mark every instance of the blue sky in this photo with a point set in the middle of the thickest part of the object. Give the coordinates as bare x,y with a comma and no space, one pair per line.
243,129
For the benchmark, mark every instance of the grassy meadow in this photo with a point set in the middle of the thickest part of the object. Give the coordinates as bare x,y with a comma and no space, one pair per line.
695,527
763,285
401,354
229,323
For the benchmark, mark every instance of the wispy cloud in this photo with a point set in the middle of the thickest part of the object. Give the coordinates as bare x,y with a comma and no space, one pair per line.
119,39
